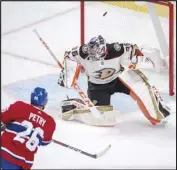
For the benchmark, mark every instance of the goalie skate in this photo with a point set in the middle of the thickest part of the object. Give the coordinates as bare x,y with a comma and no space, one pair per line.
163,111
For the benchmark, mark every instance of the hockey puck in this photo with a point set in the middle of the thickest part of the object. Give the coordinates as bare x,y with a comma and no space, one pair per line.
104,13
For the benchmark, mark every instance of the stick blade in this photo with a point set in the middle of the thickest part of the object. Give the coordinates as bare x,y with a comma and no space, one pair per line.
103,152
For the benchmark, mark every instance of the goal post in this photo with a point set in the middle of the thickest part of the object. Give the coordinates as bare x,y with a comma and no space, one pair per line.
168,50
159,12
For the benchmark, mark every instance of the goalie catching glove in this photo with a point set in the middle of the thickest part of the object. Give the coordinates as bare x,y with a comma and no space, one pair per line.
134,56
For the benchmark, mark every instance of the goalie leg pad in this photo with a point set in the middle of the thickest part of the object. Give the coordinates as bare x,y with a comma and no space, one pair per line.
75,109
146,96
107,119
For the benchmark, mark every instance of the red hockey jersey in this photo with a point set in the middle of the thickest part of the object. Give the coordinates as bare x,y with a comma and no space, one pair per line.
27,128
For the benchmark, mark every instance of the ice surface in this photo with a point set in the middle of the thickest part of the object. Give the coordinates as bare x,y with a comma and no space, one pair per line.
135,143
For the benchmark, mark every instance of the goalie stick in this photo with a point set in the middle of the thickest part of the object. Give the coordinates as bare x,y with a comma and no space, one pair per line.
101,153
75,85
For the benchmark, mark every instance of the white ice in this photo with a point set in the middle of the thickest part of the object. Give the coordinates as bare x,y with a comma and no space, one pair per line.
135,142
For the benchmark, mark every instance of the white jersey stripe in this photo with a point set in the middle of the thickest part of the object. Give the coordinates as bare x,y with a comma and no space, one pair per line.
16,156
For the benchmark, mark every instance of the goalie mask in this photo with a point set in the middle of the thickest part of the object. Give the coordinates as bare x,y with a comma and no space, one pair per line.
97,48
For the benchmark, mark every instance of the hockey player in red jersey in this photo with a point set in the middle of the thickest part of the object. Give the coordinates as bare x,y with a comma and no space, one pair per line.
27,128
104,66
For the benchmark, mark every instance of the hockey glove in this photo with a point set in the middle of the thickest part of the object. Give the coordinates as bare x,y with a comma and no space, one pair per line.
135,51
134,56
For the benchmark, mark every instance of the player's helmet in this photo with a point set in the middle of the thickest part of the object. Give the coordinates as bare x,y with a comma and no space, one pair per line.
39,97
97,46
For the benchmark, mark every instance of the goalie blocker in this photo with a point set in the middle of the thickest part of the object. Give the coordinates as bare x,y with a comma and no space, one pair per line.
69,73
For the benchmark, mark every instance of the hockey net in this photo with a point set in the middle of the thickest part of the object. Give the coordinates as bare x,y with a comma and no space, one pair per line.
150,25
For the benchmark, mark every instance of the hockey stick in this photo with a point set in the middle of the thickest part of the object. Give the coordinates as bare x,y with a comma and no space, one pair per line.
75,85
47,47
83,152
